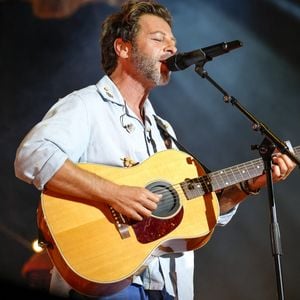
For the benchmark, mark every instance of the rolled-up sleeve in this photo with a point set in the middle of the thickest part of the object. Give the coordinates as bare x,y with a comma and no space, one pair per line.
225,218
57,137
36,166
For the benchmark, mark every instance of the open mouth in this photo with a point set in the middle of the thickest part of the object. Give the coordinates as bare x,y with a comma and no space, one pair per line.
164,66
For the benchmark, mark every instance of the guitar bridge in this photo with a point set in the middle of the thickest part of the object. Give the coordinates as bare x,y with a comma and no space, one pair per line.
120,223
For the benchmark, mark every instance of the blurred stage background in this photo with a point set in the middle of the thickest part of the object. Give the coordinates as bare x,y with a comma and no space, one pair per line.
43,58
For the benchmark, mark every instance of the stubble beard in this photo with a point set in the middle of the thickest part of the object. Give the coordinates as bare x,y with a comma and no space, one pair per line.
146,67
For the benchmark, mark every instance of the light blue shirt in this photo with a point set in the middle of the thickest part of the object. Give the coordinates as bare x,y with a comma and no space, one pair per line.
94,125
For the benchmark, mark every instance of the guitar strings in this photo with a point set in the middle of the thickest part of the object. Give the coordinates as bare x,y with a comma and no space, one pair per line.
215,180
210,182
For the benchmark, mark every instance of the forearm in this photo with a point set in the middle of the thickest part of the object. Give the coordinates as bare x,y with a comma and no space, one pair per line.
235,194
73,181
231,197
81,185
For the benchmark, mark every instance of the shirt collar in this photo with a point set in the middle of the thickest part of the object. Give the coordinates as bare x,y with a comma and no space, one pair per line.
110,92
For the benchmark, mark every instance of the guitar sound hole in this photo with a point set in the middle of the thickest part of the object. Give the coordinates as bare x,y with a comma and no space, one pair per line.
169,203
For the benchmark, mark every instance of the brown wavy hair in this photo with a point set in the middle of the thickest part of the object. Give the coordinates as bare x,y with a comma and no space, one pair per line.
124,25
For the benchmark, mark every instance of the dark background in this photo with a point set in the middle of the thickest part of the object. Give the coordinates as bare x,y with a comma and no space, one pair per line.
42,60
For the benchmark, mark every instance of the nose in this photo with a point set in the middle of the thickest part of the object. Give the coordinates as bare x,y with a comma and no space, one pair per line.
171,47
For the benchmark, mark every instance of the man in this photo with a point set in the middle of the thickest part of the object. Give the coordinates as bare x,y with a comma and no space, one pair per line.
113,123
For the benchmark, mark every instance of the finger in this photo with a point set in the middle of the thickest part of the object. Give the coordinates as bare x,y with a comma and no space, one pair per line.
280,162
150,200
138,213
150,205
276,173
143,207
129,212
135,216
142,212
154,197
289,163
282,166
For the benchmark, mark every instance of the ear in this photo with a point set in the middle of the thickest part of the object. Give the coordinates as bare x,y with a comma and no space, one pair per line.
121,48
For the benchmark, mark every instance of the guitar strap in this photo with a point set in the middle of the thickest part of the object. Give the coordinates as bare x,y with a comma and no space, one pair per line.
168,138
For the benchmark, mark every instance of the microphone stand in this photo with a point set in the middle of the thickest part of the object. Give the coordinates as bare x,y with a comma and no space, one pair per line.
266,148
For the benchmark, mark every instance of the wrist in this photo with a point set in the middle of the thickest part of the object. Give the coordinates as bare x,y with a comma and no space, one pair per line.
247,189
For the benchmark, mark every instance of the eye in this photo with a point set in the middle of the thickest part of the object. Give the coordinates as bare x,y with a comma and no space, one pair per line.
157,39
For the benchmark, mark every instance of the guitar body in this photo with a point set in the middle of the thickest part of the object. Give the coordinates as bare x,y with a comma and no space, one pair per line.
97,253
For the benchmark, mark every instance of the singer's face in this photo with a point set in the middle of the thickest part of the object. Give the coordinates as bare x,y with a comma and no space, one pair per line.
153,44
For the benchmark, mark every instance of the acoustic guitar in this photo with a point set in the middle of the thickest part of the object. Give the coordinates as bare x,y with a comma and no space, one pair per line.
98,251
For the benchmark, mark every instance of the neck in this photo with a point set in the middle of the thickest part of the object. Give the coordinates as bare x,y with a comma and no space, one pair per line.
132,90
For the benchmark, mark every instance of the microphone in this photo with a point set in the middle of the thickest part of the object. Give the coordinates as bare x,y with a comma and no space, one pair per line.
181,61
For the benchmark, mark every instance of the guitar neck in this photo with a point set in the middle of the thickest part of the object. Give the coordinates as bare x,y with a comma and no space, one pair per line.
218,180
230,176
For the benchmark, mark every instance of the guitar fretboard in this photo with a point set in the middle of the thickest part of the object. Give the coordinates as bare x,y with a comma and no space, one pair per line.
218,180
